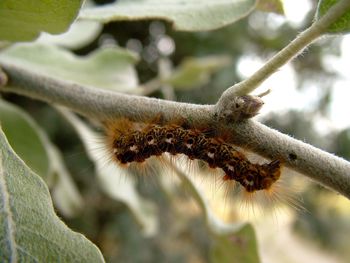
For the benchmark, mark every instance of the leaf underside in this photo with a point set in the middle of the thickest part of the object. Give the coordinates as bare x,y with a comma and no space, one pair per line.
184,15
30,231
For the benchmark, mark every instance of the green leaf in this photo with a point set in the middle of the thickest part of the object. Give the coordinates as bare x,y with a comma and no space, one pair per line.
26,138
274,6
23,20
109,68
33,146
185,15
193,72
236,248
30,231
342,25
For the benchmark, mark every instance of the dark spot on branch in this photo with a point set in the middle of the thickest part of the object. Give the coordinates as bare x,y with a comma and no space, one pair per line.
292,156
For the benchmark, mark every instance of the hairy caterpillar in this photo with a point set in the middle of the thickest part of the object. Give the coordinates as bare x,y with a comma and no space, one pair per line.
135,142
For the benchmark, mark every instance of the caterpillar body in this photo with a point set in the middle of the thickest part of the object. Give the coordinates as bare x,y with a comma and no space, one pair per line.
135,142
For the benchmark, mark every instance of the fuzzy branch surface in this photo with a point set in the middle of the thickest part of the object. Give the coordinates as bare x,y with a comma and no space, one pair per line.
327,169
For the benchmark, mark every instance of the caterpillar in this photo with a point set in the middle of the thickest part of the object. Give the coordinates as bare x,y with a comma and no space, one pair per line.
135,142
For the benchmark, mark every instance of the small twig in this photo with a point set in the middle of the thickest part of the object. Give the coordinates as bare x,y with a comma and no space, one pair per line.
316,30
263,94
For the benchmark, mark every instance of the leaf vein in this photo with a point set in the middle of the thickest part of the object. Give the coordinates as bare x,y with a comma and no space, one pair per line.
9,223
58,246
24,251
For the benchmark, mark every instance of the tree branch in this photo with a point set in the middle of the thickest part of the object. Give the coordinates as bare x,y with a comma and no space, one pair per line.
316,30
323,167
327,169
97,103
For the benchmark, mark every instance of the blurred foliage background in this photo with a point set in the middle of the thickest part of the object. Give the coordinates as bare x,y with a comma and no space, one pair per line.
318,232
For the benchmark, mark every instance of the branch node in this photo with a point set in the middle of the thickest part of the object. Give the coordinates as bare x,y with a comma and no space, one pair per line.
238,108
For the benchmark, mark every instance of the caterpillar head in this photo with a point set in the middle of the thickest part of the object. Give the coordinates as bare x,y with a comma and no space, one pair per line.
262,177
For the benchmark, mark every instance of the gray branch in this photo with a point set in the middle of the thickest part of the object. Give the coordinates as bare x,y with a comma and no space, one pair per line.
327,169
317,29
97,103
